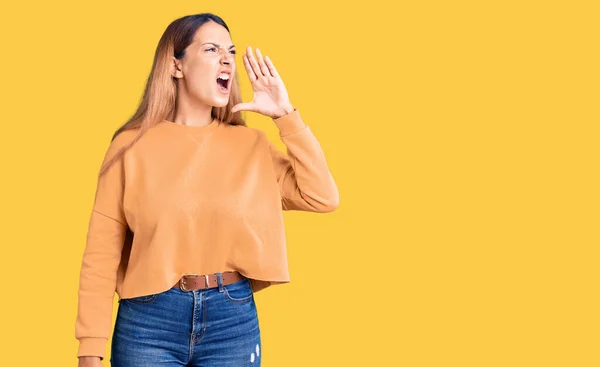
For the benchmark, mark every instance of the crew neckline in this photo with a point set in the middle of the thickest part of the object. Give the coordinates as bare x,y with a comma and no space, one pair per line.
192,128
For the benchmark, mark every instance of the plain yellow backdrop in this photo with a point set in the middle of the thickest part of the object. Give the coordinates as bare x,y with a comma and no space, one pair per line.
463,136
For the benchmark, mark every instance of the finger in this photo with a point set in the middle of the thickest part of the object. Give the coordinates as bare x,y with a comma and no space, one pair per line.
249,70
243,107
253,62
271,67
261,63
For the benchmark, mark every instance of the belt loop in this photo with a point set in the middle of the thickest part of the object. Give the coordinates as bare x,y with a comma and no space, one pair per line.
220,281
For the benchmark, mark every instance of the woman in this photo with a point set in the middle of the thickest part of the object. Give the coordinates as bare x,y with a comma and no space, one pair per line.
187,220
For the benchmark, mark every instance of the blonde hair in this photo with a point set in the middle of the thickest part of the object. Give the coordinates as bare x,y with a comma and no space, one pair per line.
158,100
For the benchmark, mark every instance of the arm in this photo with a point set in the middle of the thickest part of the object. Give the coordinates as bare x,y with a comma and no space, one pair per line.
304,179
101,258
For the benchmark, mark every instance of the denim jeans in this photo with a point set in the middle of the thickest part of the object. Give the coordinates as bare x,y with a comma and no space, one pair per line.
215,327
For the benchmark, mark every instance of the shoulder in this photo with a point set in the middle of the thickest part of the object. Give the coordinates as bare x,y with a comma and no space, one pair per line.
248,133
122,139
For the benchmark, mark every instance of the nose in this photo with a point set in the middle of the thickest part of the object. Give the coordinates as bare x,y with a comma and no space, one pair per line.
227,59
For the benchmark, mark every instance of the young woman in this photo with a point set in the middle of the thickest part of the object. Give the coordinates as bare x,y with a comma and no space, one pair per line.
187,221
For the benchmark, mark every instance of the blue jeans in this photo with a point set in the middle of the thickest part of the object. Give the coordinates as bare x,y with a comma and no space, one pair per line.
215,327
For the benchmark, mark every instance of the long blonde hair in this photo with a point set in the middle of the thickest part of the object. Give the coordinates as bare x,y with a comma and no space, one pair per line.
158,101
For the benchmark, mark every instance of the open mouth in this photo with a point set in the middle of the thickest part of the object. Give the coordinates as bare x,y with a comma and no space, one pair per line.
223,84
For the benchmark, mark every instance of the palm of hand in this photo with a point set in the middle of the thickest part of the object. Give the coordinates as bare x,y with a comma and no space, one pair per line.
270,95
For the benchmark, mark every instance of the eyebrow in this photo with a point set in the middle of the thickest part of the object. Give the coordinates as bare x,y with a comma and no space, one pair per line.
216,44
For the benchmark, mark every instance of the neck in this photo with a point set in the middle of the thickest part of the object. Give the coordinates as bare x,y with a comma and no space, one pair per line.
191,112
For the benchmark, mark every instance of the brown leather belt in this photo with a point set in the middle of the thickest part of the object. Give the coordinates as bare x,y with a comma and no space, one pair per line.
189,282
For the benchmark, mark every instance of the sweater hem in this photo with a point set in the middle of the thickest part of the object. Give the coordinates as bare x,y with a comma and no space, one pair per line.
92,347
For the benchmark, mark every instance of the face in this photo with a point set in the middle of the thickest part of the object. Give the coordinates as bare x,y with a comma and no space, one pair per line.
200,71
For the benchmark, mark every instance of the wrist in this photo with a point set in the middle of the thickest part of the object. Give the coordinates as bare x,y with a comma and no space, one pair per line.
284,111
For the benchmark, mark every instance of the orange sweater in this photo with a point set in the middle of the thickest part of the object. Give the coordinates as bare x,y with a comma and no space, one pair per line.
199,199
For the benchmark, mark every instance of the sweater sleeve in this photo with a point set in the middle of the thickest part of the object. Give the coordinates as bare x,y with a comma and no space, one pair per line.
304,179
101,258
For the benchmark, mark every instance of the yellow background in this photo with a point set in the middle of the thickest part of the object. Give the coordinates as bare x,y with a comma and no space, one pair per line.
463,136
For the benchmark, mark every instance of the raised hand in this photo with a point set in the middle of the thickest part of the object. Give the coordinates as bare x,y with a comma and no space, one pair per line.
270,96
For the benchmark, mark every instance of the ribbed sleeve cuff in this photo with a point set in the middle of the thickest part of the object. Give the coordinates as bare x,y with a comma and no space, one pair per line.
290,123
92,347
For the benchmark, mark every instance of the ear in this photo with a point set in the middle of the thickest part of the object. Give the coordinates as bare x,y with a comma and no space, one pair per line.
176,68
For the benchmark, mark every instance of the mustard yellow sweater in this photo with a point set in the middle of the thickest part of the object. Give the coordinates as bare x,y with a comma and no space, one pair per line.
195,199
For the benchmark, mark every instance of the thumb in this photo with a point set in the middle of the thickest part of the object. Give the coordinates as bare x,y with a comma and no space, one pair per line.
243,107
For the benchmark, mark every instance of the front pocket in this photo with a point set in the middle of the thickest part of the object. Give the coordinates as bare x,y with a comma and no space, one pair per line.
238,292
141,299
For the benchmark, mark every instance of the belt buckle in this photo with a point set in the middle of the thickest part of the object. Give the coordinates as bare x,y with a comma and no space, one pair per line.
182,282
183,288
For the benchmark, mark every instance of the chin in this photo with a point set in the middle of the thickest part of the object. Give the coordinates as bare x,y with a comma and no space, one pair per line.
220,101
